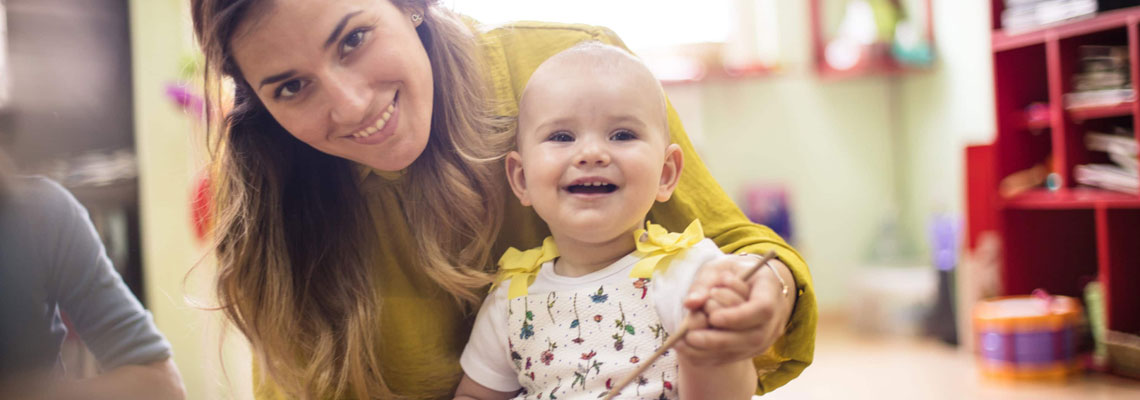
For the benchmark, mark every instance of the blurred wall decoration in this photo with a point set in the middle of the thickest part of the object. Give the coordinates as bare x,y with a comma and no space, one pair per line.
857,37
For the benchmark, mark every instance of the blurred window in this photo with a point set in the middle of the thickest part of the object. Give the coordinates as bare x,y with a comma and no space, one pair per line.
640,23
679,39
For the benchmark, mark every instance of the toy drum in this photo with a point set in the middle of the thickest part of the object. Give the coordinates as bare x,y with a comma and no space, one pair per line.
1027,337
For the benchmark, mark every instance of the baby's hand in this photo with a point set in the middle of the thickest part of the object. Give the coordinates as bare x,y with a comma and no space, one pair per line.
734,320
726,291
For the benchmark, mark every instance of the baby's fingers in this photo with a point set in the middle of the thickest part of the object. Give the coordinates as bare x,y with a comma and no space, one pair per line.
722,298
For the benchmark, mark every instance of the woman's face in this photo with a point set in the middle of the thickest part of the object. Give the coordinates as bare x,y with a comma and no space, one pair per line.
350,78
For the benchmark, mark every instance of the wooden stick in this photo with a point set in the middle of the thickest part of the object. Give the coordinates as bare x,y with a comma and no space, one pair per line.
685,323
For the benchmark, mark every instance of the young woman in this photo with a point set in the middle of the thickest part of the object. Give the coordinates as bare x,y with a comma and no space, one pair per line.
361,196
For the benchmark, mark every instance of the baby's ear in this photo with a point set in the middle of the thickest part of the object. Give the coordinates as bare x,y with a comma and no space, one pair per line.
517,178
670,172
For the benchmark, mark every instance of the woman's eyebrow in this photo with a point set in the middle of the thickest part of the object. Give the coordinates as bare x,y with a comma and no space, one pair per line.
339,28
332,38
276,78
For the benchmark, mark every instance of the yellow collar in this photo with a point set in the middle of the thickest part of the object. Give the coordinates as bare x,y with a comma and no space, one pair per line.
655,245
364,171
521,267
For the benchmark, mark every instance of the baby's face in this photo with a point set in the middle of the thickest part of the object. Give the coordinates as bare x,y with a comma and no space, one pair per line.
594,151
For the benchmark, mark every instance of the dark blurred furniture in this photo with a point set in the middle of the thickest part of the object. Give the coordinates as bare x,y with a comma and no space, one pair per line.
71,95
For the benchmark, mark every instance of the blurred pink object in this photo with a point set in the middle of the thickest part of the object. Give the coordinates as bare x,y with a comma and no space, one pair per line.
186,98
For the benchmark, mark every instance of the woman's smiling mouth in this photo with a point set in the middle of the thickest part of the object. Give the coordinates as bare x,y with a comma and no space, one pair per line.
381,129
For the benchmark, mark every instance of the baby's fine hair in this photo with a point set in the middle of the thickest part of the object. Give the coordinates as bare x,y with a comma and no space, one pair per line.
606,58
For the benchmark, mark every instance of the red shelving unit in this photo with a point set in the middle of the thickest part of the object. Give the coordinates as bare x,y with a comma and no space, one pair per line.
1058,240
1079,197
1091,113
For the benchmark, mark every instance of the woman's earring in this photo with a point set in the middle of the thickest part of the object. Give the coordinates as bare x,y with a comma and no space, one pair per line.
416,19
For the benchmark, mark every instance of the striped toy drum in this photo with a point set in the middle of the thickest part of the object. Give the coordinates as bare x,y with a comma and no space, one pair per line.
1027,337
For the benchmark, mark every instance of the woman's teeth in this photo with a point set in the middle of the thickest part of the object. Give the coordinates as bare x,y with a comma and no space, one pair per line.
379,125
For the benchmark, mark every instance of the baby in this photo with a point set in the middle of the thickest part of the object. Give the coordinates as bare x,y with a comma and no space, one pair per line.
572,318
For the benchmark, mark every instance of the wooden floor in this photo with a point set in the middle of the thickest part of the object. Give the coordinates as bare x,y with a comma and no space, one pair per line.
848,366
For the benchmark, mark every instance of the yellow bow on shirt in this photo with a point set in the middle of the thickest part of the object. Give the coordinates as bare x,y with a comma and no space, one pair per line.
521,267
658,245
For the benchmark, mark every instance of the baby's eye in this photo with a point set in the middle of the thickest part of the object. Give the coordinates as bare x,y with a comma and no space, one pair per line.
560,136
289,89
352,41
623,134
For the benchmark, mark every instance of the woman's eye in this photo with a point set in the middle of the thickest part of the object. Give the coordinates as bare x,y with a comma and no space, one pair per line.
352,41
289,89
560,137
622,135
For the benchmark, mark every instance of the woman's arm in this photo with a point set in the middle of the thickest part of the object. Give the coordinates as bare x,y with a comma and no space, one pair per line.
778,332
159,380
114,326
84,283
780,358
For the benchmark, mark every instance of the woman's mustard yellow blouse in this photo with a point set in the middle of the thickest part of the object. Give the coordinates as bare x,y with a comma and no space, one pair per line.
423,331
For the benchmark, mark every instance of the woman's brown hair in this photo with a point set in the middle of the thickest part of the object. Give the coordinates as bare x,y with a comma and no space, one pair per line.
292,232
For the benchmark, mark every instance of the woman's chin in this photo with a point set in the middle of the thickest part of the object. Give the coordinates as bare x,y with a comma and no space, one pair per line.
386,166
397,157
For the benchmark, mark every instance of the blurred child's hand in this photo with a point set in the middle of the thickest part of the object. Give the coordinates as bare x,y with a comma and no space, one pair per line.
734,320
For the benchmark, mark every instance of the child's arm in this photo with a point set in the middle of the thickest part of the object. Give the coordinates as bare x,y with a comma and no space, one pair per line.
704,375
486,362
471,390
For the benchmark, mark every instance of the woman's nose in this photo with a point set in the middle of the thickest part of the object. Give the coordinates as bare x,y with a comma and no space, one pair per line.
349,99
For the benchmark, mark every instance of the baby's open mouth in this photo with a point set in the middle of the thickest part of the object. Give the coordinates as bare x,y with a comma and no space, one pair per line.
592,188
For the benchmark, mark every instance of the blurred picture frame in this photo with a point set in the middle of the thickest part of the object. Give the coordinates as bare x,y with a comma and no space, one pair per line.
853,38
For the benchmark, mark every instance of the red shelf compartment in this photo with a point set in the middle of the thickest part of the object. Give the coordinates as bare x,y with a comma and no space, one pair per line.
1024,81
1119,258
1003,41
1073,198
1090,113
1055,250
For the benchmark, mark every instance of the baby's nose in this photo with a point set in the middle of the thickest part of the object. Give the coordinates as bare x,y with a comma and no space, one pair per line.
593,155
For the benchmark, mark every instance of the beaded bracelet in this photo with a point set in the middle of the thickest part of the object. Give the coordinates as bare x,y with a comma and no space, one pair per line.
783,284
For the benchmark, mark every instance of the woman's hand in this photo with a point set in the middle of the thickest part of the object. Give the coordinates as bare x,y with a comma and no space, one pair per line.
157,380
733,320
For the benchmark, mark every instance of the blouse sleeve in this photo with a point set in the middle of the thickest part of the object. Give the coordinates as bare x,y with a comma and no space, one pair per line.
671,285
486,358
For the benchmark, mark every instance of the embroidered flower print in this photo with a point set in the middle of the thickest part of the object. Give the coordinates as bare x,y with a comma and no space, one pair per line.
561,356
